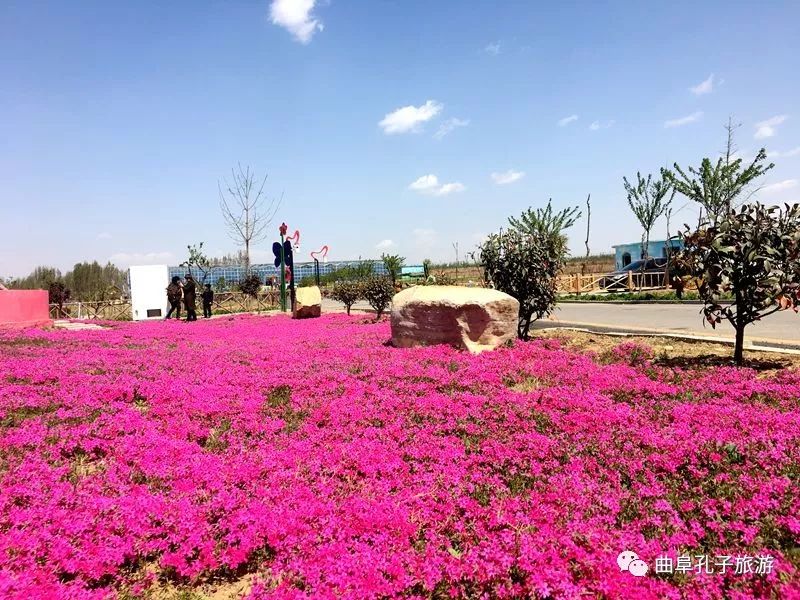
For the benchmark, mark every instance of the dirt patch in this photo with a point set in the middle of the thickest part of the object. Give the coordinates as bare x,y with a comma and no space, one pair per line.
672,352
223,591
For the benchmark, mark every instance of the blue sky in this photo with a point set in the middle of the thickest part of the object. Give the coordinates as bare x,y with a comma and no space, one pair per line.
118,119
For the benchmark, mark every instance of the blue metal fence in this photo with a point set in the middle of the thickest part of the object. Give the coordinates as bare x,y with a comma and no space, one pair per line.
235,274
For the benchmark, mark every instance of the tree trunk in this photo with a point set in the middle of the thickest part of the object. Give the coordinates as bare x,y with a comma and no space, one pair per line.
738,324
738,351
247,257
588,222
524,324
645,256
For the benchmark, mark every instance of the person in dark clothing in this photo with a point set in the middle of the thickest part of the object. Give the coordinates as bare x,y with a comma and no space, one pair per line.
174,297
208,298
190,297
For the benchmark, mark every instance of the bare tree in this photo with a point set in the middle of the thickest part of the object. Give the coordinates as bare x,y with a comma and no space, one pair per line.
731,149
246,210
588,224
455,247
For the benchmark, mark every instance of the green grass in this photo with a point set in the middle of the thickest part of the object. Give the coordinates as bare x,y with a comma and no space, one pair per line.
629,297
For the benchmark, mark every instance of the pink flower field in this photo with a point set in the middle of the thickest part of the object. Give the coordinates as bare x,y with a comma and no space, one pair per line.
316,460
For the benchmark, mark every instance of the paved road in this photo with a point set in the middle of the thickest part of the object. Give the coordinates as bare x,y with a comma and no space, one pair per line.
782,327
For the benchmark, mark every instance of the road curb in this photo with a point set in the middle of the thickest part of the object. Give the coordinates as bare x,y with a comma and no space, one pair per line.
679,302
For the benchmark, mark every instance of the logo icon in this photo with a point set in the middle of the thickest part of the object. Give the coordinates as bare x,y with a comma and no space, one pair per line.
630,561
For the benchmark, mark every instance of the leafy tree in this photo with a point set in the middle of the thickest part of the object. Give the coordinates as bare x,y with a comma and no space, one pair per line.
752,253
198,260
355,272
717,187
228,260
58,293
250,285
649,199
92,281
393,264
348,293
524,266
378,291
543,221
39,279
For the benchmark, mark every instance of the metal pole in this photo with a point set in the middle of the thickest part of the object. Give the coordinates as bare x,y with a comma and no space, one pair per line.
283,279
291,287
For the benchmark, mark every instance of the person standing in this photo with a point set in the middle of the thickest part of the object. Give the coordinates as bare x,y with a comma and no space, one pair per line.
190,298
208,298
174,297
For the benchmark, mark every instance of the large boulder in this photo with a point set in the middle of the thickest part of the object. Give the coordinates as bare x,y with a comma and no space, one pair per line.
475,319
307,302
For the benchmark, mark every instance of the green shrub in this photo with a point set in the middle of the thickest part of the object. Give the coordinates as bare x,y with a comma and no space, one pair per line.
633,297
524,266
378,291
441,278
250,285
347,292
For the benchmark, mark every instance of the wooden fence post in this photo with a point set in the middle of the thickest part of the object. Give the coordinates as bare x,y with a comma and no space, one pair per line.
630,281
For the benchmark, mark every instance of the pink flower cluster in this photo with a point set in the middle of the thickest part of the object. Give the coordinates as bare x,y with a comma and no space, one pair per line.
325,463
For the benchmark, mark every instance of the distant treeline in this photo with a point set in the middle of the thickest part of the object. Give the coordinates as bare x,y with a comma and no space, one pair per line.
85,281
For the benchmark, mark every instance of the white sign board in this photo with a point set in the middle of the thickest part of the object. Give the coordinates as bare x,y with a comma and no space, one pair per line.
149,291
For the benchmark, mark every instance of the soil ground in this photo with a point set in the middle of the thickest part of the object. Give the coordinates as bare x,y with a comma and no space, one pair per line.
672,352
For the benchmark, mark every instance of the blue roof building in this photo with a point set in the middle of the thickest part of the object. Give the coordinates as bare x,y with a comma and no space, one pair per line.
625,254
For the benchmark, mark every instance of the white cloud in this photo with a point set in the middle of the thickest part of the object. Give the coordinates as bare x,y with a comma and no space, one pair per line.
601,125
127,259
787,154
425,183
786,184
493,49
295,16
410,118
766,129
450,188
449,125
429,184
509,176
104,236
567,120
679,122
704,87
384,244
